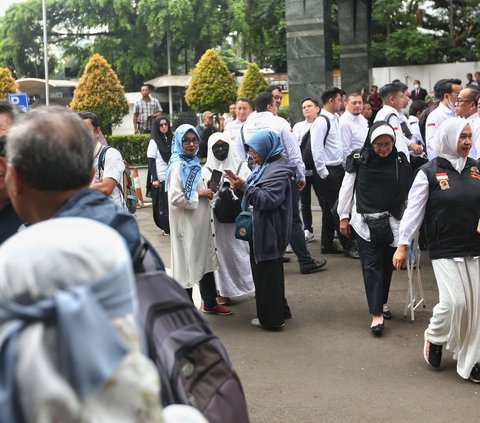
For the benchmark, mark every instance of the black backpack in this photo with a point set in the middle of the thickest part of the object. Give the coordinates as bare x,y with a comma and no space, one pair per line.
306,146
193,365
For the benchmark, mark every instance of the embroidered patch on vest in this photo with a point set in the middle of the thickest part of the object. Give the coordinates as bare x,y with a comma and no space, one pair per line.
474,172
442,179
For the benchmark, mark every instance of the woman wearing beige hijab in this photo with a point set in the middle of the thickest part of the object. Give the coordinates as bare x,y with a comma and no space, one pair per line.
446,191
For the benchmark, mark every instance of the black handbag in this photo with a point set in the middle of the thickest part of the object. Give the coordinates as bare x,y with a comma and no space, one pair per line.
381,233
244,226
160,208
226,207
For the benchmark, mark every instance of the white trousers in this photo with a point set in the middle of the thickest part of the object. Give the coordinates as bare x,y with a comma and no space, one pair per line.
456,318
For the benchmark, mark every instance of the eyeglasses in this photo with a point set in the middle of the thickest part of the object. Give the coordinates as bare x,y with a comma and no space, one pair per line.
465,136
251,153
459,100
164,124
188,141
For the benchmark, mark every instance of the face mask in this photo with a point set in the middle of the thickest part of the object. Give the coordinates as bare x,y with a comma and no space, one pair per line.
220,151
416,86
450,105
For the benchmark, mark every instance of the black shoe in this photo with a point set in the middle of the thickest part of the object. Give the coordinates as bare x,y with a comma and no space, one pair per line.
475,374
286,259
387,314
432,354
353,253
332,249
377,330
313,266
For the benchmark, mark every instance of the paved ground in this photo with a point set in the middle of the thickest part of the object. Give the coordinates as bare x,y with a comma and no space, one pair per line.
325,366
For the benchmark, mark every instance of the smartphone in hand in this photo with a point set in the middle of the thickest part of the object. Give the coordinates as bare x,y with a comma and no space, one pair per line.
214,182
230,173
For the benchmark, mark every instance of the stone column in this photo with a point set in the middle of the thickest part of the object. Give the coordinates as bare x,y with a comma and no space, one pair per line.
354,21
309,51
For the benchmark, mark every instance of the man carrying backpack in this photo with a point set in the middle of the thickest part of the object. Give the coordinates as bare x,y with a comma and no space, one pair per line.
108,163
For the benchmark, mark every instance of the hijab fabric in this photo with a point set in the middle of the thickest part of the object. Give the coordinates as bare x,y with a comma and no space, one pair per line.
447,141
267,144
190,169
163,140
53,276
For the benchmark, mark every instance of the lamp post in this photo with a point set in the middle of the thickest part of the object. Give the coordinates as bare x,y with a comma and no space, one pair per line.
45,53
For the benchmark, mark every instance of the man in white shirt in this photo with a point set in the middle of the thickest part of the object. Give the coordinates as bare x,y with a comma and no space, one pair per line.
446,92
108,177
310,110
465,107
393,98
265,119
352,126
243,109
328,157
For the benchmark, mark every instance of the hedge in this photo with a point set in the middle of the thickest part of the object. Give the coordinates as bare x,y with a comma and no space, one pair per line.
132,147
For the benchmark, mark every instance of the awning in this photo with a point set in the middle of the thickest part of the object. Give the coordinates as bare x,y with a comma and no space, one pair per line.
37,85
169,81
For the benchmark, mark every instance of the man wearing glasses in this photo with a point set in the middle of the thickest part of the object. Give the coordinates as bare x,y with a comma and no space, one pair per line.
465,107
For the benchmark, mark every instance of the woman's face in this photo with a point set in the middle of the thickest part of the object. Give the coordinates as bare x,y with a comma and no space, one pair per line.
190,143
464,142
256,158
383,145
220,150
163,126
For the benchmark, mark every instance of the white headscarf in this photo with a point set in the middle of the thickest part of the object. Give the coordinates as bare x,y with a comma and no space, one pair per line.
232,162
60,254
446,142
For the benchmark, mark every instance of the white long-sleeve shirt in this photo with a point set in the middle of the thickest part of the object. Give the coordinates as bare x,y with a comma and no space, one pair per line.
268,121
330,153
434,120
353,130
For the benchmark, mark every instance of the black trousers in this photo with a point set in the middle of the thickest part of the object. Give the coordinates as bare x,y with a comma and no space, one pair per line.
208,290
268,277
330,188
377,271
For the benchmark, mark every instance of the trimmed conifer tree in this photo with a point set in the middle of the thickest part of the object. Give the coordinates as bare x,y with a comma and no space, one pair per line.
99,91
7,83
253,83
212,86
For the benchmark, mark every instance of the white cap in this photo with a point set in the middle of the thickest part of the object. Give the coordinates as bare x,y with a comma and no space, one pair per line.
382,130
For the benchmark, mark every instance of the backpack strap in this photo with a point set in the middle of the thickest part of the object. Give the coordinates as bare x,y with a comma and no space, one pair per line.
327,120
101,160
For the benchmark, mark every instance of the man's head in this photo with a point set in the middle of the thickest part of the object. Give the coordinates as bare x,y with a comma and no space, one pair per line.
265,103
92,122
49,152
477,76
207,118
277,94
469,77
465,102
406,93
367,111
145,91
416,108
243,108
310,109
232,109
416,84
392,95
374,89
354,103
332,100
447,90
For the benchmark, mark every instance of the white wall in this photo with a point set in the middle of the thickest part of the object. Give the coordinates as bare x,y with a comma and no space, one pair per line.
428,75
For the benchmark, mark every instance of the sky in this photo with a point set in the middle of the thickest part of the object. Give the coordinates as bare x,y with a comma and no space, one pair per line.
5,4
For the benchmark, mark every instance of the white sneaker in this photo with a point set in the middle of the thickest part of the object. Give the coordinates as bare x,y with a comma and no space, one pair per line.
309,237
289,249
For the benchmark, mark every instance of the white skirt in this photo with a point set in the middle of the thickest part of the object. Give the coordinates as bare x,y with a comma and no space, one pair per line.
456,318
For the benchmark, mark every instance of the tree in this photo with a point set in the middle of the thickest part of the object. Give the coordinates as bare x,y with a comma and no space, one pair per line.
7,83
99,91
212,86
253,83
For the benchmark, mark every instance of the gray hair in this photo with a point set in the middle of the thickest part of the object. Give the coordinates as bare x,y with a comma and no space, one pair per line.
52,148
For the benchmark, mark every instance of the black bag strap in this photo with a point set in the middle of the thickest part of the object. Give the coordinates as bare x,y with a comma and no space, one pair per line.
101,160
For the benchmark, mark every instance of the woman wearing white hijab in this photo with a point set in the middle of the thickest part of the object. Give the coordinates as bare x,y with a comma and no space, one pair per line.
446,191
69,344
233,276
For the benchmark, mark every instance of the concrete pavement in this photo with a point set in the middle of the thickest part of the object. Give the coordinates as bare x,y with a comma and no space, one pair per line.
325,366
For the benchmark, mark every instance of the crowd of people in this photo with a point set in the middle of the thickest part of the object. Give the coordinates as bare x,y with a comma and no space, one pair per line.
414,169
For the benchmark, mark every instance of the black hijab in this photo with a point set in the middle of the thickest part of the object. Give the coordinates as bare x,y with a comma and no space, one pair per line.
382,183
163,140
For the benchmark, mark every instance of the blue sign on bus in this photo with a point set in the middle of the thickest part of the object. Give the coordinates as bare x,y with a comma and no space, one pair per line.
19,100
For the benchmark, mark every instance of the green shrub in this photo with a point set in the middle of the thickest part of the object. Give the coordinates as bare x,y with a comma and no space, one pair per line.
253,83
132,147
7,83
284,112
